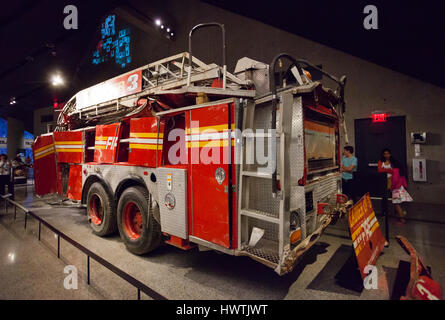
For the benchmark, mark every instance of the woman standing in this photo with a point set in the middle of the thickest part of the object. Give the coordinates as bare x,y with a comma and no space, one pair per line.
399,193
5,174
385,165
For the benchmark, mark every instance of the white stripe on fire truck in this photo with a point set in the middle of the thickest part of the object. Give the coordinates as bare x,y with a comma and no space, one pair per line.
210,139
145,146
44,148
210,136
209,144
146,141
44,153
69,146
219,127
146,135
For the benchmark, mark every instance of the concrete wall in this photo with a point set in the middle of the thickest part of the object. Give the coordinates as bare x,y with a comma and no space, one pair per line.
16,137
370,87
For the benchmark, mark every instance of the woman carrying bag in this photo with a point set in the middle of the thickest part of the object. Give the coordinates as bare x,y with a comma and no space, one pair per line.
399,192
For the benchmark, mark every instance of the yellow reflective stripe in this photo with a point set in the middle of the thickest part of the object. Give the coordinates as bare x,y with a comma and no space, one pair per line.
209,144
374,226
44,148
44,154
99,147
146,135
69,150
145,146
68,142
220,127
354,235
358,249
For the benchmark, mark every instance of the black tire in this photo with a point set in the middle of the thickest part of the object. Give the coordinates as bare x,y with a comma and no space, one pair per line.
138,227
101,210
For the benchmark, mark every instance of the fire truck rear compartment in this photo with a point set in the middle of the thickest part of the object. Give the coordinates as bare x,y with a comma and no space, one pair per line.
299,192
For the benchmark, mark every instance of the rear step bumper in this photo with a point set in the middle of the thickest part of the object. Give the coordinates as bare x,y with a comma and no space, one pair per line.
290,258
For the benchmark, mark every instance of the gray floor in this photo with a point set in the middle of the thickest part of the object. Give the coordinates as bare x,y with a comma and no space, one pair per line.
29,269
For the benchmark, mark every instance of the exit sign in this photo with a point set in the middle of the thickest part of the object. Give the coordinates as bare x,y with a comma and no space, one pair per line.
379,117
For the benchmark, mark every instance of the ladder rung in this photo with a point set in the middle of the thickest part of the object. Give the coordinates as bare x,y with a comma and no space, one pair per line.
257,174
260,216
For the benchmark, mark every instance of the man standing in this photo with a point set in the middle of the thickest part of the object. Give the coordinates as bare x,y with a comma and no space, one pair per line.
348,167
5,175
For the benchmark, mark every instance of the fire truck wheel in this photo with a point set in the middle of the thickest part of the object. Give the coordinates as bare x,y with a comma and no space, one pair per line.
101,210
138,227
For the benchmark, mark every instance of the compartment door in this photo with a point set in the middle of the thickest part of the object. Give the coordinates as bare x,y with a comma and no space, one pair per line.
45,173
69,146
106,143
208,142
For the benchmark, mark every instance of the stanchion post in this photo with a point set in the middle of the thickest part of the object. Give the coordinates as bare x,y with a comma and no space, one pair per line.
40,228
139,294
26,218
88,270
58,246
385,212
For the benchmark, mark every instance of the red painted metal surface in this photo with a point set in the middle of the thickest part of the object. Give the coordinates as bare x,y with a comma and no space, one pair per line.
366,235
45,165
179,243
132,220
69,146
117,87
96,211
107,139
144,142
421,285
75,183
207,148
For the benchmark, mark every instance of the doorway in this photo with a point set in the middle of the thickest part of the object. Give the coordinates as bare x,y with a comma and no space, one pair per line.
371,138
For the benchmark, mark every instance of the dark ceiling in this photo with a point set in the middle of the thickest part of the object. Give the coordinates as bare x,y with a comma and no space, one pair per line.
410,38
34,43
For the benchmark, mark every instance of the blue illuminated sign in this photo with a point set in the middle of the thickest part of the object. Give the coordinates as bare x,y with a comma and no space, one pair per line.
113,45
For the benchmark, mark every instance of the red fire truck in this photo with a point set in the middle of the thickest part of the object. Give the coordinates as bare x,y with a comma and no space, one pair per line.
180,151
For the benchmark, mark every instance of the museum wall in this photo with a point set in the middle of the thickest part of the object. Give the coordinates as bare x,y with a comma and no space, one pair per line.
43,117
370,87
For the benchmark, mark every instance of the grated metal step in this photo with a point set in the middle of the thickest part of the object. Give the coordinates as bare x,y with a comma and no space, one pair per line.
260,215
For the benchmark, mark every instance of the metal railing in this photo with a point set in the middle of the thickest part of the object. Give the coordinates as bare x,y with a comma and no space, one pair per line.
90,255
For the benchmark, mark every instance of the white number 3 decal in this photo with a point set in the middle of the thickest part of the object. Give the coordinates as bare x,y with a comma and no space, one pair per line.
133,82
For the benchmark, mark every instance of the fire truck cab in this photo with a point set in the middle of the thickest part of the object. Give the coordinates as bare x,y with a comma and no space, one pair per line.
187,153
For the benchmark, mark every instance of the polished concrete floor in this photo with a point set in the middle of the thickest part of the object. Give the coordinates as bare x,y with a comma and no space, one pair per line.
30,269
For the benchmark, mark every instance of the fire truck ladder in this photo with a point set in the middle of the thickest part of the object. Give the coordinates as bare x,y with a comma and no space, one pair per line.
179,74
172,75
262,214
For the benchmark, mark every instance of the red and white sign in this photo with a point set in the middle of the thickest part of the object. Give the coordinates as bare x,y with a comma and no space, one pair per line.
114,88
366,235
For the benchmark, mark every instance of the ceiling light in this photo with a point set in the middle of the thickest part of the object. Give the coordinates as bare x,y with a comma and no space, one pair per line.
57,80
168,29
162,26
158,22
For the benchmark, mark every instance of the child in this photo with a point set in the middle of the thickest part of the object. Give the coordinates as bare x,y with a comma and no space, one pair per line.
399,193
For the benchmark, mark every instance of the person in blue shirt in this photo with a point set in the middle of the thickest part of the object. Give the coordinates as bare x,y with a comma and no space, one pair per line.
348,167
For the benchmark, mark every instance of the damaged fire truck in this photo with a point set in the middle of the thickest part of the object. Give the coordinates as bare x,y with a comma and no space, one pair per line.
245,163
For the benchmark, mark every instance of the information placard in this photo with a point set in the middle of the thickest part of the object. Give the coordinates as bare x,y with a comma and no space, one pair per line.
367,238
